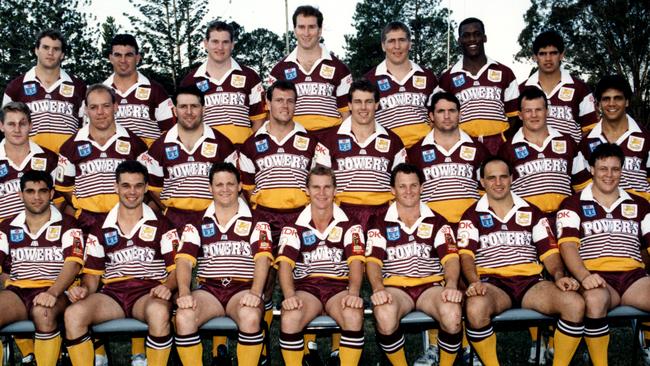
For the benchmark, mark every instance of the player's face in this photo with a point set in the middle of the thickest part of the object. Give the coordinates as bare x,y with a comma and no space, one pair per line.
321,191
307,32
225,189
606,174
472,40
445,116
189,111
612,104
219,46
124,60
533,114
407,190
548,59
396,47
131,189
36,197
497,180
363,107
101,110
282,106
49,53
16,128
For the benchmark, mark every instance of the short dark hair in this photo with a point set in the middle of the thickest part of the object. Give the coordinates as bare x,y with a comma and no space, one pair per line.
363,85
220,26
617,82
530,93
52,34
133,167
281,85
406,168
36,176
548,38
470,21
124,40
450,97
393,26
308,11
606,150
190,89
19,107
224,167
321,170
100,87
493,158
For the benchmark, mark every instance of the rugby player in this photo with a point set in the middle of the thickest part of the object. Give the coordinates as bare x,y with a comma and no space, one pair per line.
602,233
132,252
502,240
321,258
234,103
234,254
45,249
54,96
405,86
487,90
410,252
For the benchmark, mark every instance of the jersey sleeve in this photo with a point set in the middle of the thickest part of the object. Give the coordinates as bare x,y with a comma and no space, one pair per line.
343,87
4,251
247,166
445,243
152,159
543,237
354,244
468,235
72,243
510,94
289,246
376,246
94,257
322,155
568,222
587,112
190,245
226,149
256,110
66,170
645,227
261,242
168,244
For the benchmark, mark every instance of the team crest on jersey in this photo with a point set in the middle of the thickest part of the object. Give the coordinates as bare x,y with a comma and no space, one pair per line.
345,144
147,233
327,71
335,234
428,155
300,142
383,84
53,233
30,89
393,233
171,152
521,152
467,153
261,145
308,238
559,147
84,150
291,73
523,218
382,144
208,230
486,221
589,210
142,93
123,147
203,85
635,143
242,227
629,210
425,230
494,76
458,80
66,90
419,82
16,235
566,94
3,170
237,81
594,145
38,163
209,150
111,238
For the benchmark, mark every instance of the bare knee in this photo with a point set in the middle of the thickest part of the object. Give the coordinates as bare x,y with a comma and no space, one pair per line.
76,319
572,307
478,311
45,320
290,321
185,320
158,317
596,302
249,319
450,317
386,319
352,319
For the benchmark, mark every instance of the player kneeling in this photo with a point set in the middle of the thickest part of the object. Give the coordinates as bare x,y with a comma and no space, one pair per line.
234,254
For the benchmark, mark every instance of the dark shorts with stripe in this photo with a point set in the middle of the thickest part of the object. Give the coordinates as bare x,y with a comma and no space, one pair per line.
322,287
27,295
364,214
415,292
224,290
277,219
180,218
621,281
126,293
515,286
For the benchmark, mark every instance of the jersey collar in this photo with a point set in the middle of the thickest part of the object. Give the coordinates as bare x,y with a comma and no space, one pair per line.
324,55
458,67
587,194
30,76
172,138
519,137
393,216
297,127
111,219
202,71
19,221
382,69
483,205
242,211
565,78
429,139
142,80
305,220
33,150
632,127
84,135
346,129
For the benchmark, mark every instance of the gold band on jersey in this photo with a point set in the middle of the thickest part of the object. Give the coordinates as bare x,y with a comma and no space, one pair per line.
451,210
50,141
527,269
614,264
484,127
412,133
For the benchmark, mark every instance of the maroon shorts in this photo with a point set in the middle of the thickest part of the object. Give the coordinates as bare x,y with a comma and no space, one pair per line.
87,220
492,143
180,218
27,295
415,292
321,287
277,219
364,214
621,281
515,286
224,289
127,292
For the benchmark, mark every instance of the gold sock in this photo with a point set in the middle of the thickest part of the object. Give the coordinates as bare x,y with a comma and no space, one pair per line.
292,348
484,342
101,350
568,336
137,346
2,350
82,354
397,358
449,345
158,349
597,339
47,347
25,345
216,342
336,341
533,333
433,336
308,338
350,346
292,358
192,355
248,355
393,347
446,358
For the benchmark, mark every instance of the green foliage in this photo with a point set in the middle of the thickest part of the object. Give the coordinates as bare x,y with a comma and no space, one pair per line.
259,49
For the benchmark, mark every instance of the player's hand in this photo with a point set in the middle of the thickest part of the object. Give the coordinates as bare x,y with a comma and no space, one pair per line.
250,299
451,295
161,291
45,299
567,284
292,303
381,297
477,288
77,293
352,301
186,302
593,281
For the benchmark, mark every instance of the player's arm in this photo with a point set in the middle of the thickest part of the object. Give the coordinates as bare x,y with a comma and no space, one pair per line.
89,284
285,274
555,268
262,256
63,281
375,253
571,257
184,280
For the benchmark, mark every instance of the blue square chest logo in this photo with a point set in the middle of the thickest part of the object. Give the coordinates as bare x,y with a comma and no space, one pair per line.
393,233
30,89
383,84
428,155
84,150
111,238
171,152
521,152
486,221
308,238
458,80
291,73
208,230
3,170
261,145
594,145
203,85
16,235
345,144
589,210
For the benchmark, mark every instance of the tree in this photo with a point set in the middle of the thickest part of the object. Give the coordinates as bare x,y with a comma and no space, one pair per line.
260,49
610,36
108,30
